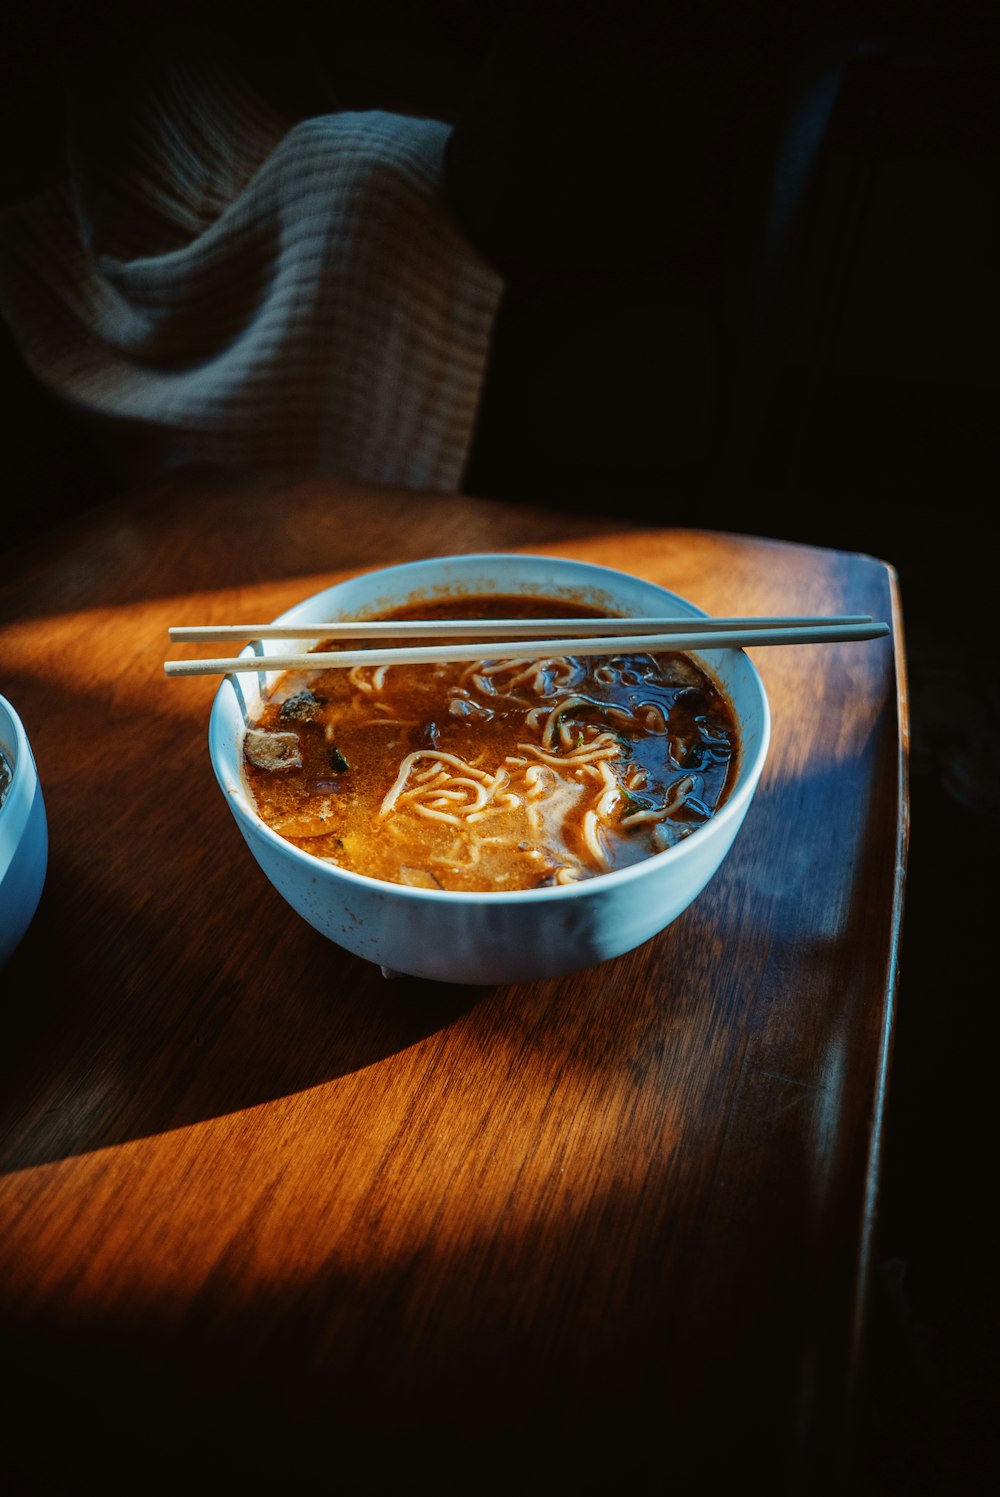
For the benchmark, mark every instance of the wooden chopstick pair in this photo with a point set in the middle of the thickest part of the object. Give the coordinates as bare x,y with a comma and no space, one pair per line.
467,639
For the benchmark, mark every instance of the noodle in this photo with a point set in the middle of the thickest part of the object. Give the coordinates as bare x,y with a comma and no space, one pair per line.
511,773
679,794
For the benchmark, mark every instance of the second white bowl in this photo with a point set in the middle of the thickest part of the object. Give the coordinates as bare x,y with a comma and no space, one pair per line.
24,834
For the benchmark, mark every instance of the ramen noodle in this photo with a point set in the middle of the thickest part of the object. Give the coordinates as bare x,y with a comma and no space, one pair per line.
505,773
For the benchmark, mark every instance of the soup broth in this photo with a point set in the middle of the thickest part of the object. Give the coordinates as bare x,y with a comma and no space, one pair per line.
500,774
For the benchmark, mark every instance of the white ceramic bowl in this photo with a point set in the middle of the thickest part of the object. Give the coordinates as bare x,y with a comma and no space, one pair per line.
24,834
493,937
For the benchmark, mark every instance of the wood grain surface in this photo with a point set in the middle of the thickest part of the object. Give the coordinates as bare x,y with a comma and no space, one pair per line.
268,1220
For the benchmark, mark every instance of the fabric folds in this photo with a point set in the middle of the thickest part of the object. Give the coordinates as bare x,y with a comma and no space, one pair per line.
246,291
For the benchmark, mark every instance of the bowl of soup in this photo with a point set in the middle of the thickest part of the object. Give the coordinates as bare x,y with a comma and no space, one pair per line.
24,834
506,818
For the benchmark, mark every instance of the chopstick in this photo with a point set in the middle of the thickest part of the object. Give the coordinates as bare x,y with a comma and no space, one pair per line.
496,628
695,634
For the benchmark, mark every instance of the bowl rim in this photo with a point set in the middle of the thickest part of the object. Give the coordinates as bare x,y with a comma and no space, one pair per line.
241,803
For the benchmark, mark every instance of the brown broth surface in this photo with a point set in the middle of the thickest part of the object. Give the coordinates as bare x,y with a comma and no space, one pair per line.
495,775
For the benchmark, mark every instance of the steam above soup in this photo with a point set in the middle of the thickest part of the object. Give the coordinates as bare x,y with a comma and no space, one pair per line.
500,774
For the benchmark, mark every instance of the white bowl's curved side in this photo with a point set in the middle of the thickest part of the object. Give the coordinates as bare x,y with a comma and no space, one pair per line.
462,939
494,937
24,835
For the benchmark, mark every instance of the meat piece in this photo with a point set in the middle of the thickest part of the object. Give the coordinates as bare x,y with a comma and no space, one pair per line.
272,750
304,706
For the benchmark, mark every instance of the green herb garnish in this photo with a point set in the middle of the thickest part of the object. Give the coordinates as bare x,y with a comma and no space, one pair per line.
640,802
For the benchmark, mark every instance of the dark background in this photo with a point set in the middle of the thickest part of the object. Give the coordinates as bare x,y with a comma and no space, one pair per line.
750,263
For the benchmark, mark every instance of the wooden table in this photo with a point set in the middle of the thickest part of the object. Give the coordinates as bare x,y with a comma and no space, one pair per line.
265,1213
